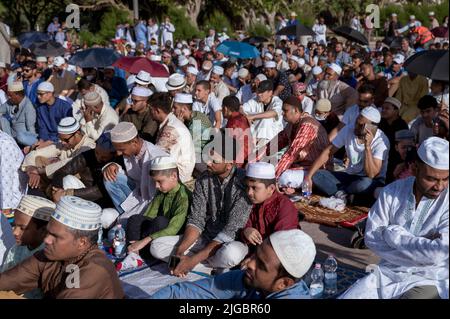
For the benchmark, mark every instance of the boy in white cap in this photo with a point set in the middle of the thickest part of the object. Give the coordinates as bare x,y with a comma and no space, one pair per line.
340,94
408,228
131,191
275,271
218,86
167,212
367,149
49,113
46,161
70,249
271,212
138,113
18,116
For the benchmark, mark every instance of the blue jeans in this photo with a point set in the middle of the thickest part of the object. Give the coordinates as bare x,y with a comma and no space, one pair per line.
119,190
332,182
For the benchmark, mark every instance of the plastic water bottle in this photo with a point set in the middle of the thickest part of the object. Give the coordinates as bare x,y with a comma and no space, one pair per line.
306,192
330,279
119,242
316,287
100,238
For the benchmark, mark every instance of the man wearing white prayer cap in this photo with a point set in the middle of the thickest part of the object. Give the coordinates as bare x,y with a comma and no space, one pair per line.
367,149
282,65
275,271
70,248
138,113
434,23
183,64
218,86
191,79
408,228
97,117
130,190
340,94
282,87
245,92
47,160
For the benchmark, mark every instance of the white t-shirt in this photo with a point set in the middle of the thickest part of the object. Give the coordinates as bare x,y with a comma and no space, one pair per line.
355,151
209,108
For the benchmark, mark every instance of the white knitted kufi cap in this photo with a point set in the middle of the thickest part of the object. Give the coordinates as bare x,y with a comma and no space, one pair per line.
78,213
162,163
68,125
336,68
295,250
183,98
192,70
46,87
123,132
261,170
434,152
36,207
218,70
372,114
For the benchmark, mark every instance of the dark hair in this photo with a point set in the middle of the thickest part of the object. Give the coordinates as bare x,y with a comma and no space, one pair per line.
426,102
232,103
293,101
228,65
39,223
266,182
161,101
30,64
266,85
84,84
205,84
91,235
165,172
366,88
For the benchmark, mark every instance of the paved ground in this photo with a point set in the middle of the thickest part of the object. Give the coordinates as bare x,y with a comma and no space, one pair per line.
337,241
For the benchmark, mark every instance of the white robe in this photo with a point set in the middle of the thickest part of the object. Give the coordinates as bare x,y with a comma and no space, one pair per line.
145,188
398,233
6,238
153,33
167,30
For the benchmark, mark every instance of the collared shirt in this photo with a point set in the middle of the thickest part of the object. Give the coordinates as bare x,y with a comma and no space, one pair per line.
49,116
174,205
12,180
22,117
275,214
219,209
209,108
175,139
306,141
227,286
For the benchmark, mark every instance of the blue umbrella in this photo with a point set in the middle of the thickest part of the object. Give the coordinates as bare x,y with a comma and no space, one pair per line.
94,58
240,50
28,38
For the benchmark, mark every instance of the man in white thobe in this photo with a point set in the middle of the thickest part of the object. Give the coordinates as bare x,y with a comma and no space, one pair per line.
321,31
167,30
133,190
408,228
153,31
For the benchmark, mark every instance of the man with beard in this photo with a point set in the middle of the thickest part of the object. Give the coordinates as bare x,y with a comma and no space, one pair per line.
71,265
340,94
275,271
31,81
408,228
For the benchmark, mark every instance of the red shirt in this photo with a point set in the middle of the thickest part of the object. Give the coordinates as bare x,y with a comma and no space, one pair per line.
239,121
275,214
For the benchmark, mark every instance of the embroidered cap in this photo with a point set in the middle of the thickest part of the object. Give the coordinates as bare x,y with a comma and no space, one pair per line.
434,152
36,207
78,213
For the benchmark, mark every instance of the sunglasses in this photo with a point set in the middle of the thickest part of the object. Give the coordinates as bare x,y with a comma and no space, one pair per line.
42,93
66,140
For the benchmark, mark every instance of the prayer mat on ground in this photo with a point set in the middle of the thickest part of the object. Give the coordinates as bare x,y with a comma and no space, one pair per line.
144,281
315,213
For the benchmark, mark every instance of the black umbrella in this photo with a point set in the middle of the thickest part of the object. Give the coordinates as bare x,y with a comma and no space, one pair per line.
296,30
49,48
351,34
430,63
255,40
28,38
393,42
94,58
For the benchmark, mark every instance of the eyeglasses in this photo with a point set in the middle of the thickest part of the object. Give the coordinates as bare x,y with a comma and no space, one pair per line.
137,101
67,140
41,93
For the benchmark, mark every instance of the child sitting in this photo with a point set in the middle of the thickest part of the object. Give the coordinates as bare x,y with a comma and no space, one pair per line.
271,211
167,212
29,229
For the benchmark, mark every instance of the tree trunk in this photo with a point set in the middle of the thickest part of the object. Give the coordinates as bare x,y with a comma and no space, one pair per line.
193,8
